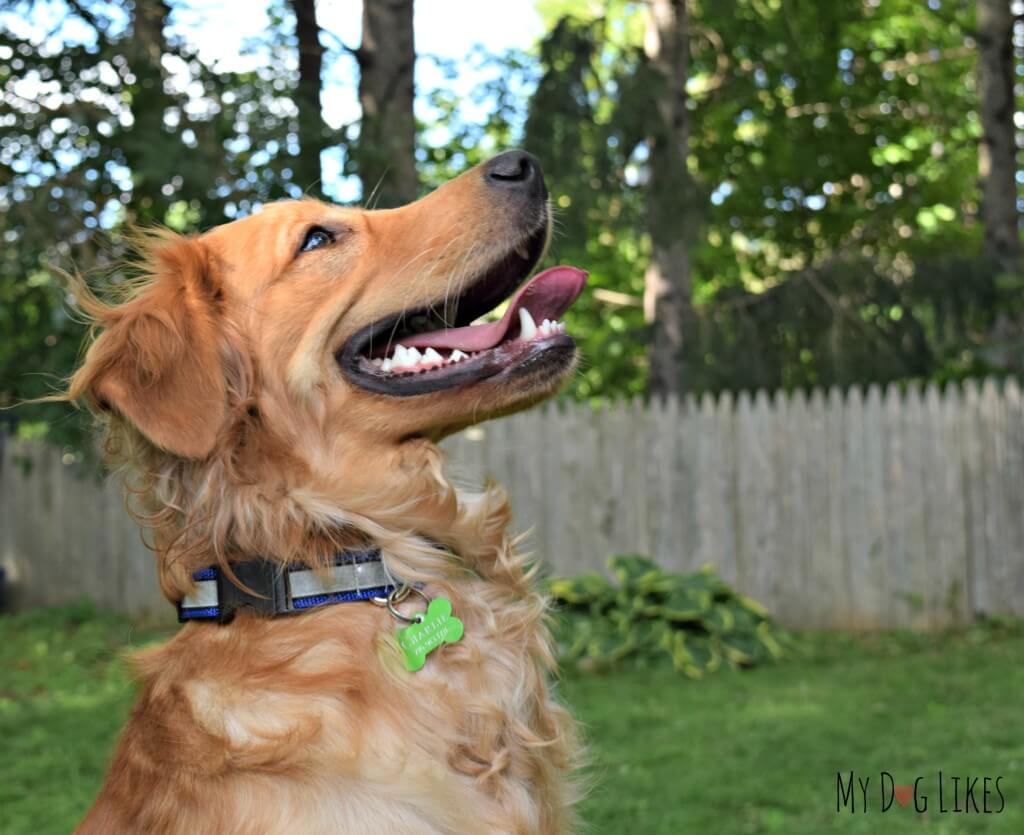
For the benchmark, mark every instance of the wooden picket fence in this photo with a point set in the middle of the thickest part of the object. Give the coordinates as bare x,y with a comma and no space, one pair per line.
856,509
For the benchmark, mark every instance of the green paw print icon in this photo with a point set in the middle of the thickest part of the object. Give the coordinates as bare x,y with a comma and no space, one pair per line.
436,627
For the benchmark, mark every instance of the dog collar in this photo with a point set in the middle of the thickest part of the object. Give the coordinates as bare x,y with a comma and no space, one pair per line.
272,588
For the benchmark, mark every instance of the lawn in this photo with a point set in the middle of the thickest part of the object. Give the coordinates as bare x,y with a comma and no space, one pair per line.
747,752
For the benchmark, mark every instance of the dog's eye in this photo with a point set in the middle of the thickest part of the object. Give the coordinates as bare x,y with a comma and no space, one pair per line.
316,238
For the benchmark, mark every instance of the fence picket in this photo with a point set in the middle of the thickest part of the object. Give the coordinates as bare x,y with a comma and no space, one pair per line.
896,485
875,509
997,545
1013,488
874,584
817,601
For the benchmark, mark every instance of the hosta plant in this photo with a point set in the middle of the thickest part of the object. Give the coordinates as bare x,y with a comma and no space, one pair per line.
695,620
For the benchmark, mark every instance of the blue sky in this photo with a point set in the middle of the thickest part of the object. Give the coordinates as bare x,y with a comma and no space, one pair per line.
447,29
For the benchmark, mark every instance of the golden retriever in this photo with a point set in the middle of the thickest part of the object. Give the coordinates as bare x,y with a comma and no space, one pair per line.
275,388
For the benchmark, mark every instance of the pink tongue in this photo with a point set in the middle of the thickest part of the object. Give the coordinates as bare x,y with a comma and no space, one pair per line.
546,296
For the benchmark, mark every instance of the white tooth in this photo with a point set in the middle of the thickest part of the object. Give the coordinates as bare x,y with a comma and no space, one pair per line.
399,360
430,355
386,365
413,356
457,355
527,327
545,328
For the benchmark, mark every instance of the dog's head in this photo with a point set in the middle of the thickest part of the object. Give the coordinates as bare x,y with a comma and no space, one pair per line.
335,336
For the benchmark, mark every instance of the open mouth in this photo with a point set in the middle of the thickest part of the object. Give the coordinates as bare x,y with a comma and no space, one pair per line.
439,347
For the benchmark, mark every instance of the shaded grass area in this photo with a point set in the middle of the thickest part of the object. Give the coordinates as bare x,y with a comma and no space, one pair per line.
64,694
747,752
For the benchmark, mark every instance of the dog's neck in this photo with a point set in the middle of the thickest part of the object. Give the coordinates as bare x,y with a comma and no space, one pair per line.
208,514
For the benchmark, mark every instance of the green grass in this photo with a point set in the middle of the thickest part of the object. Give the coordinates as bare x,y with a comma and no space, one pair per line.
736,753
758,751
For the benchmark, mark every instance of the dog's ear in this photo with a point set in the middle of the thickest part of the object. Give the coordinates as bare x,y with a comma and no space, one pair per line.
158,360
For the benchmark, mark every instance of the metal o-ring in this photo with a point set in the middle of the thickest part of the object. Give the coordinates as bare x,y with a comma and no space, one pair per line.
398,595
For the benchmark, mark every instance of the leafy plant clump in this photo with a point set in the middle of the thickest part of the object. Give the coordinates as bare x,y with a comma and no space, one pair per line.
697,620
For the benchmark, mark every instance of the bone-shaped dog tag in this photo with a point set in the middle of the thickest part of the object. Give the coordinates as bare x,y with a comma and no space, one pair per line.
436,627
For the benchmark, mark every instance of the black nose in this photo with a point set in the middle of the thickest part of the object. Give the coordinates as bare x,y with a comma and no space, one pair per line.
516,170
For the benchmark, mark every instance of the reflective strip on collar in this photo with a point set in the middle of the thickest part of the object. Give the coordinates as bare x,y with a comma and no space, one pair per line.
338,579
277,589
203,597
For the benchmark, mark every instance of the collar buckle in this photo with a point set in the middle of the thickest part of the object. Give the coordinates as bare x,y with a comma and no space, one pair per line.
263,589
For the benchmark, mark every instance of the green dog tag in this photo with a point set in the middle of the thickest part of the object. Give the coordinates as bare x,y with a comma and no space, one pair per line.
436,627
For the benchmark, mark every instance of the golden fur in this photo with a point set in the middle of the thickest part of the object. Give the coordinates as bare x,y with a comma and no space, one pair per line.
223,407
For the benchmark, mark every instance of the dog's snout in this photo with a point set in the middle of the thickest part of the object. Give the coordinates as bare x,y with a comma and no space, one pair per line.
516,171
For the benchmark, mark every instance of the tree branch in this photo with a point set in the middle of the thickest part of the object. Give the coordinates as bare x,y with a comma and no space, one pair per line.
615,298
86,15
355,52
918,59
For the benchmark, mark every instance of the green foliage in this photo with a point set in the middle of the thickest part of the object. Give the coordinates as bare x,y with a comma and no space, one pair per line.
834,150
449,140
96,136
583,132
696,619
836,147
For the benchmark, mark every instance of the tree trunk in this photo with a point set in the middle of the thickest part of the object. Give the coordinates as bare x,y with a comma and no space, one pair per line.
150,150
668,303
385,155
306,167
997,159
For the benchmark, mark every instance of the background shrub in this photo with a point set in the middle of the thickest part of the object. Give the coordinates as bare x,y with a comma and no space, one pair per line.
646,615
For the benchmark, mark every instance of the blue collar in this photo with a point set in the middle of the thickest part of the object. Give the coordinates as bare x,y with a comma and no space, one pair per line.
273,588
